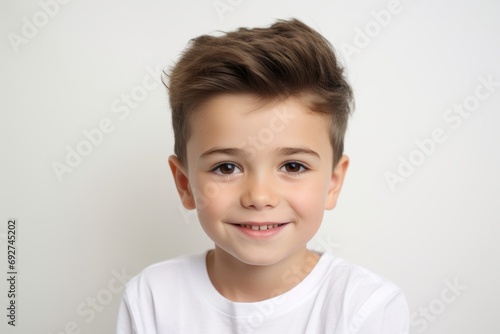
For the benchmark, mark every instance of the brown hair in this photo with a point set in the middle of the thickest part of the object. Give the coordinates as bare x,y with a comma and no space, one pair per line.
286,59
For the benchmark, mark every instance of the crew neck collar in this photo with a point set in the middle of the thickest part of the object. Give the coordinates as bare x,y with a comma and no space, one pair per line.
288,300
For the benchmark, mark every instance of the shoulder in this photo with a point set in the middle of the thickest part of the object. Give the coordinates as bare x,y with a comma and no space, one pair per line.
355,277
155,291
166,275
367,298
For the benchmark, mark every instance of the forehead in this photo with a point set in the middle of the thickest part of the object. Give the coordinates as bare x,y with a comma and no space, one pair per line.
236,119
226,111
227,107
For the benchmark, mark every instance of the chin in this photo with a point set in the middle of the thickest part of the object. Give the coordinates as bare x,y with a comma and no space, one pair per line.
263,258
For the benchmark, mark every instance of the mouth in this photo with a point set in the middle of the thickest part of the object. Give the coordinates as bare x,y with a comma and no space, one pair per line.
260,227
262,230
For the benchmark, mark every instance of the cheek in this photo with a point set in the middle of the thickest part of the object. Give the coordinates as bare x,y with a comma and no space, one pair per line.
209,215
309,200
212,202
205,191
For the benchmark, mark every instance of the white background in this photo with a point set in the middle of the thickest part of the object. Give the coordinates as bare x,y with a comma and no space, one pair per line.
117,210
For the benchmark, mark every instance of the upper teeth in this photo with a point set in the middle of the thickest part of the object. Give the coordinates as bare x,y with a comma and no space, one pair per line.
263,227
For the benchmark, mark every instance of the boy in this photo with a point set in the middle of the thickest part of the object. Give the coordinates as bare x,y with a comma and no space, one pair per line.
259,118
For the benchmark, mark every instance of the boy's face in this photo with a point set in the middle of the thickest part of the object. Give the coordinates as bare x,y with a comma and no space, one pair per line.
250,166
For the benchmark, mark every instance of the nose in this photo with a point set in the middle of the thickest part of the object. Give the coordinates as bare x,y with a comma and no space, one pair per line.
259,193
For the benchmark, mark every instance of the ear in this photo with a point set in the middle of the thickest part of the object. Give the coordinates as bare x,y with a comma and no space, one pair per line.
181,182
336,182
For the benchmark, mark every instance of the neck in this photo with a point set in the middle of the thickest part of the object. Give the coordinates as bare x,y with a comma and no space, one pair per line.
241,282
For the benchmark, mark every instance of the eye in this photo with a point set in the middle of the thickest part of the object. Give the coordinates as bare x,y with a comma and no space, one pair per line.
226,169
294,167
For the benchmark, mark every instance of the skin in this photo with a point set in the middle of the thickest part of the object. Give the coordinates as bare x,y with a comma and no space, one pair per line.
246,165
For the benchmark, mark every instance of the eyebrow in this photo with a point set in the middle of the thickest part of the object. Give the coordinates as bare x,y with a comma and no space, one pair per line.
241,152
297,150
221,150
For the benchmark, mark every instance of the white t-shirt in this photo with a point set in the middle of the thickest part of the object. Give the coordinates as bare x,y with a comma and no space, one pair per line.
177,296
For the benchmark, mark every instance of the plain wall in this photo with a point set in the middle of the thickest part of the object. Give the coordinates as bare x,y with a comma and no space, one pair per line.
435,225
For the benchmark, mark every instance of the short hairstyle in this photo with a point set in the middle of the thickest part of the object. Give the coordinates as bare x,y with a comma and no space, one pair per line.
285,59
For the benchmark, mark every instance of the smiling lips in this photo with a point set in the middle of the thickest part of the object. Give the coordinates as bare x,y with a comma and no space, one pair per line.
262,231
260,227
